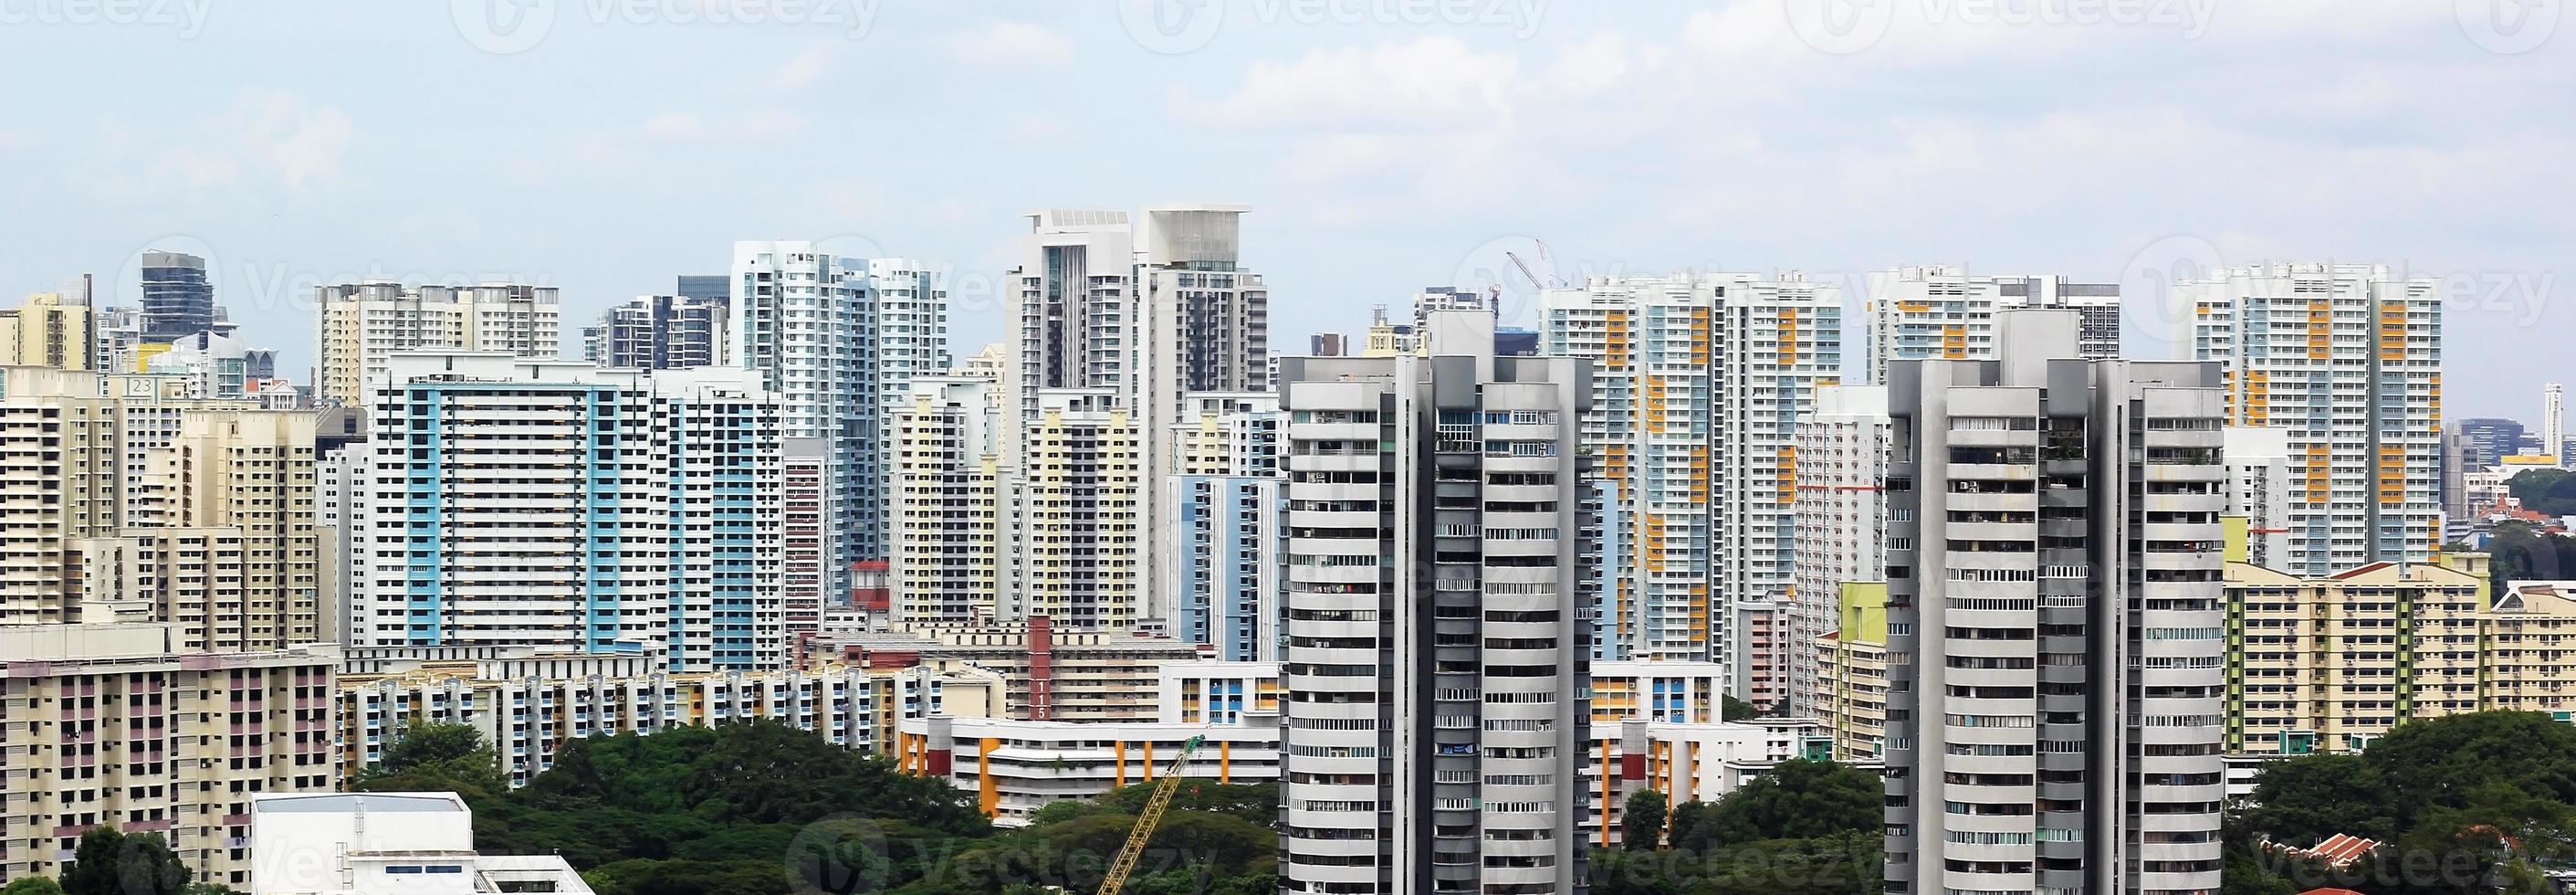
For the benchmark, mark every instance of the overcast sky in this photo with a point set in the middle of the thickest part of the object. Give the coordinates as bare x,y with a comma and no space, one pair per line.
1384,145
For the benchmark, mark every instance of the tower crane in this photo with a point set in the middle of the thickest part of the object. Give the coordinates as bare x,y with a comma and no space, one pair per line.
1147,821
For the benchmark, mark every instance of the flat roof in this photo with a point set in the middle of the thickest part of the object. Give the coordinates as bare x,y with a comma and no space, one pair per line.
350,803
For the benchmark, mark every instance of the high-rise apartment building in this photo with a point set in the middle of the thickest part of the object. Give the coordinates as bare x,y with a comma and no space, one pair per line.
48,330
2553,421
1779,341
519,502
1072,320
1940,311
1225,483
2258,489
127,726
119,333
2348,359
804,534
1842,528
1435,664
2330,663
661,332
178,299
840,339
1651,424
1080,554
364,324
951,506
117,470
2055,620
1697,388
2490,440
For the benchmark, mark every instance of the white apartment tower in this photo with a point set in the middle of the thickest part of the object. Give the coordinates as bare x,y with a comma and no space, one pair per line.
950,506
839,340
364,323
2553,421
1938,310
1842,523
2258,489
2055,626
2348,359
1436,665
517,502
1780,339
1650,424
1071,307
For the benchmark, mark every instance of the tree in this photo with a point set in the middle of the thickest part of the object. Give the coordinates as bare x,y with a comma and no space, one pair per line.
32,885
108,862
1692,827
2548,491
1642,828
1802,800
2301,801
1733,709
436,758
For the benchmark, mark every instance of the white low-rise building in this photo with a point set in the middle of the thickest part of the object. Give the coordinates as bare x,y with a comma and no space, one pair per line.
1018,767
417,843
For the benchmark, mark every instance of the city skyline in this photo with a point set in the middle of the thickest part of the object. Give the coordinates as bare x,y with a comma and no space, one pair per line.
1502,134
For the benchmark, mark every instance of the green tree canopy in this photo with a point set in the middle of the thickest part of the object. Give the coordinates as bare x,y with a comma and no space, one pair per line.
108,862
1641,827
1802,800
436,758
32,885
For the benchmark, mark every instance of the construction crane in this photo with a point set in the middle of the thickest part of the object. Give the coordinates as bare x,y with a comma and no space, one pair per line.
1145,822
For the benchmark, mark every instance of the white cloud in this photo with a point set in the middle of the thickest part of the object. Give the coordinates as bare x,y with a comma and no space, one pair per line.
1434,83
260,140
1013,43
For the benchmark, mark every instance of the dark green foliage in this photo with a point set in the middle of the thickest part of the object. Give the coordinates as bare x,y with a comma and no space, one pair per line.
108,862
32,885
1801,800
436,758
2524,555
1733,709
2465,803
1641,826
2548,491
1807,828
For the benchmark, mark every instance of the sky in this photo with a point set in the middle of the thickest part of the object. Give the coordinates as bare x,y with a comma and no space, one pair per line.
605,146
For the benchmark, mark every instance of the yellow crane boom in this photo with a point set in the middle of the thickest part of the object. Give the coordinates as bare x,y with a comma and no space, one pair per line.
1147,821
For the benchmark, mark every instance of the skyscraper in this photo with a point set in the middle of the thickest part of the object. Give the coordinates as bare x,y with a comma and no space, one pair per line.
950,504
2348,358
2490,440
2055,647
48,330
1436,664
1779,340
1941,311
1650,423
2553,421
364,323
806,320
1226,503
558,504
1842,524
1072,320
660,332
178,300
